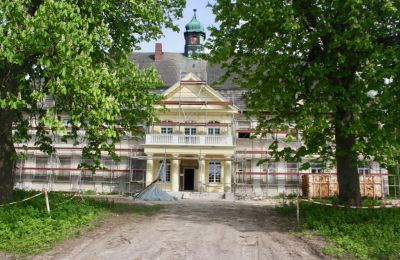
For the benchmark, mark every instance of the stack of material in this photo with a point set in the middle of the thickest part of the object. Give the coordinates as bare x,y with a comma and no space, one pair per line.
321,186
153,192
325,185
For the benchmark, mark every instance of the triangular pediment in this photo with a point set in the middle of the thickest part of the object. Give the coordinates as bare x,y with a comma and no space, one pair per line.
192,90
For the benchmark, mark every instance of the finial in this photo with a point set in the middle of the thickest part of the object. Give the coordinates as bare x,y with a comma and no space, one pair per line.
194,10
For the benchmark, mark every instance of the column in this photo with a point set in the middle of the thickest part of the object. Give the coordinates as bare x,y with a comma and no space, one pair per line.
149,170
175,174
228,175
202,174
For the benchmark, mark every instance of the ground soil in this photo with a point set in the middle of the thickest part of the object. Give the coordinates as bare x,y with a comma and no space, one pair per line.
192,229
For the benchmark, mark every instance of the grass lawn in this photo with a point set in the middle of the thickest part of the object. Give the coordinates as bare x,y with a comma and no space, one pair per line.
27,228
352,233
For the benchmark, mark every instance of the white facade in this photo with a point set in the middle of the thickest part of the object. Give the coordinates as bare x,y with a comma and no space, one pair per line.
205,140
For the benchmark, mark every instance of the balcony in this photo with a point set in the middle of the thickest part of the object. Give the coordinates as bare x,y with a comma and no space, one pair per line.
204,140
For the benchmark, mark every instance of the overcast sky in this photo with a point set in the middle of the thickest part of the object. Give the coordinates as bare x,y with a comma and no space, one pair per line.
173,41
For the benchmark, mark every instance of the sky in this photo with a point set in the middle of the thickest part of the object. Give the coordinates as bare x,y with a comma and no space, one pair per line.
173,41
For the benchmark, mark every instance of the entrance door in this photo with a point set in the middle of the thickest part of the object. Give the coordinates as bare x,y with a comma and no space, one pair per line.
189,179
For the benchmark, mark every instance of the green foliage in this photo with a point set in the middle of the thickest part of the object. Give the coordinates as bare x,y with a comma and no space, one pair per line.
78,53
27,229
363,233
89,192
326,67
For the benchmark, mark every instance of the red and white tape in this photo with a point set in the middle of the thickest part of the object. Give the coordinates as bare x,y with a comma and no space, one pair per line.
352,207
20,201
69,199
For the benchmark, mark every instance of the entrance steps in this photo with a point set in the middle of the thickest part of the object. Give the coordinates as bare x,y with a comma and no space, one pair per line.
203,195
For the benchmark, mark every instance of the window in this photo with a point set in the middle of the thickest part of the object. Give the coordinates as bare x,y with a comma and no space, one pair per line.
190,131
190,137
316,168
64,174
107,162
214,171
292,178
271,169
166,130
292,167
41,172
138,169
66,122
244,135
214,131
87,176
167,170
364,169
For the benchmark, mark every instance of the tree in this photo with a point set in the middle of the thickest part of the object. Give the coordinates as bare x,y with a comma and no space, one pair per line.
329,68
77,53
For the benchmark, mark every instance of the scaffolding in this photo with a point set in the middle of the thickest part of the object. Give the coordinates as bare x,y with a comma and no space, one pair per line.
60,170
269,179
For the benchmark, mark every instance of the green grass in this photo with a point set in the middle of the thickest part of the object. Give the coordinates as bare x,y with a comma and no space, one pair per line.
358,233
27,228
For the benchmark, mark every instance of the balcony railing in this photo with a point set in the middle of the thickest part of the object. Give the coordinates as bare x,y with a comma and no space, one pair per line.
211,140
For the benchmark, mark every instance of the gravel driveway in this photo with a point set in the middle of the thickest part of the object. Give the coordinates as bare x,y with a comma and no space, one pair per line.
191,229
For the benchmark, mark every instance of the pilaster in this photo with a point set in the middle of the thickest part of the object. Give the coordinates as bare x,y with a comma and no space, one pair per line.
228,175
175,163
202,175
149,170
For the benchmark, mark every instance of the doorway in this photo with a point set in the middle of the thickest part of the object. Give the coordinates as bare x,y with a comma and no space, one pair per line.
188,179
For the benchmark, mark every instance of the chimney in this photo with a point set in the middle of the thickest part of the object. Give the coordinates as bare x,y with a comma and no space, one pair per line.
158,52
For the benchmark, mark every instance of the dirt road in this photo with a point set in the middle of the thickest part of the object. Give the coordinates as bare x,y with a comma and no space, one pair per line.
191,230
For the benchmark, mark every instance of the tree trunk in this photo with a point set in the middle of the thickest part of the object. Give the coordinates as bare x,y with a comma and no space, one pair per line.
347,170
7,156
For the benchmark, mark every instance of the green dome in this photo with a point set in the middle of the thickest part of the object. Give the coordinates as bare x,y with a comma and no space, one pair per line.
194,25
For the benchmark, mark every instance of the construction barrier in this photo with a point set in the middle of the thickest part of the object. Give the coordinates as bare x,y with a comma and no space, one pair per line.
351,207
20,201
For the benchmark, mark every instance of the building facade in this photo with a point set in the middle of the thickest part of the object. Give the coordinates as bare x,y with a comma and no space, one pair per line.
204,138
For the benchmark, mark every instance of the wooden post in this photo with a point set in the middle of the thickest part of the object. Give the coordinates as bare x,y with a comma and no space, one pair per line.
47,201
298,209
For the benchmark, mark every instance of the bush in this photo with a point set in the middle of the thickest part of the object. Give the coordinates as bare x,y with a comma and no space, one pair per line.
27,228
363,233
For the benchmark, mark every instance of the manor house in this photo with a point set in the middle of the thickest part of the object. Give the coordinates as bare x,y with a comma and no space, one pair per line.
204,138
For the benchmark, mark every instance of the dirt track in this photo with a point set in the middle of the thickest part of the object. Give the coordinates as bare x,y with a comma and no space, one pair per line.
191,230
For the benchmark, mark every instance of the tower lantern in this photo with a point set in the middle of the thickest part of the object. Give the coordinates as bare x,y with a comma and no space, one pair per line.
194,37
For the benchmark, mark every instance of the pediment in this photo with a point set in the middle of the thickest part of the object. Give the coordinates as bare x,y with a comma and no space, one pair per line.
192,90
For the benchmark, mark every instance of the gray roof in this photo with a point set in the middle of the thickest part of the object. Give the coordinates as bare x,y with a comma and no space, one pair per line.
174,66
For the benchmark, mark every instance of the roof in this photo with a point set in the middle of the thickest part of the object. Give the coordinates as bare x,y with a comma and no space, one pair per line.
174,66
194,25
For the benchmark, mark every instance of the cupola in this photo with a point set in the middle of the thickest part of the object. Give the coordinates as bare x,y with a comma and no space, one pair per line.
194,37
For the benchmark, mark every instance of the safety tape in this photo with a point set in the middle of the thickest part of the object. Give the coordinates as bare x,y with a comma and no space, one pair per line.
20,201
352,207
69,199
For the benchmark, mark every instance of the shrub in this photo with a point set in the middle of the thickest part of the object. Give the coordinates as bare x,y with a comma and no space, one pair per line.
363,233
27,228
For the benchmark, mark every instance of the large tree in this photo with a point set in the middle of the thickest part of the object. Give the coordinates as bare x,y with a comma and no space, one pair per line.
330,69
76,53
